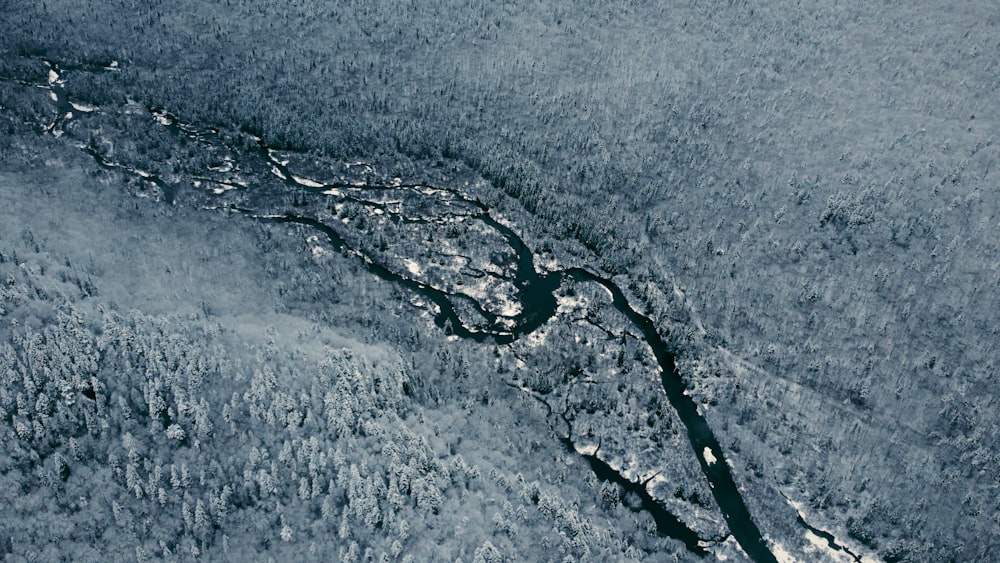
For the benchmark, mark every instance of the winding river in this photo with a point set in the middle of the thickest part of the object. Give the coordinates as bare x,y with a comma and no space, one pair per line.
534,291
536,294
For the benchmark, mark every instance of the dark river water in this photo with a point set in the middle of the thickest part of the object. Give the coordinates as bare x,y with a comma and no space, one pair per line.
536,293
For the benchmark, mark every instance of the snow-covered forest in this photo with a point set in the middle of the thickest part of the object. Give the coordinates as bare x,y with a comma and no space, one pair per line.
499,281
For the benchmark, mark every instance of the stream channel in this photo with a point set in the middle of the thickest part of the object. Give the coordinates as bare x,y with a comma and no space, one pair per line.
534,291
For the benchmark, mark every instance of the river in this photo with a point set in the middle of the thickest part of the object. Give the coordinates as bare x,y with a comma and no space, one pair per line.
536,294
534,291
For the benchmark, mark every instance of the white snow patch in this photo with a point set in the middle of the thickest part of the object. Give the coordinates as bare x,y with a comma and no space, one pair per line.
477,291
655,481
566,303
509,308
271,153
86,108
227,166
413,267
54,97
536,338
733,545
307,182
780,553
549,265
276,172
53,76
428,191
820,545
161,118
709,457
585,450
365,165
223,188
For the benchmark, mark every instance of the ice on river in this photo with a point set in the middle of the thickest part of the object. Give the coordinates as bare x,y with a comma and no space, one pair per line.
307,182
86,108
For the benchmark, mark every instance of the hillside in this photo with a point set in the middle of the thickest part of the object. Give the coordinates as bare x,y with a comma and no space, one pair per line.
801,200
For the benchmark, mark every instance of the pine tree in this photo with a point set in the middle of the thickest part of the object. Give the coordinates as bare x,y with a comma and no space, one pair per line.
487,553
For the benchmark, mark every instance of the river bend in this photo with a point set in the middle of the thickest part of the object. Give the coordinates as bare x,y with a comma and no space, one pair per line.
258,181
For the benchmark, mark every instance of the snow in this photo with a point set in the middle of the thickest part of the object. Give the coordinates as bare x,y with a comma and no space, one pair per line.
780,553
413,267
509,308
365,165
227,166
276,172
566,303
307,182
709,457
271,153
656,481
549,265
611,296
820,545
536,338
53,76
86,108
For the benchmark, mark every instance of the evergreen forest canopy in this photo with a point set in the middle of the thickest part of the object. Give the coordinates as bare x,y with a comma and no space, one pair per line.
801,198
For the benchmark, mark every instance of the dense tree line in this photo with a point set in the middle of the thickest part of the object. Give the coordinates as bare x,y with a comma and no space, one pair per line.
173,436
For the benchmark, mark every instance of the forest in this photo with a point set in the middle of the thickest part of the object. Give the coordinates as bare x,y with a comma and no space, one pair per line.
798,197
